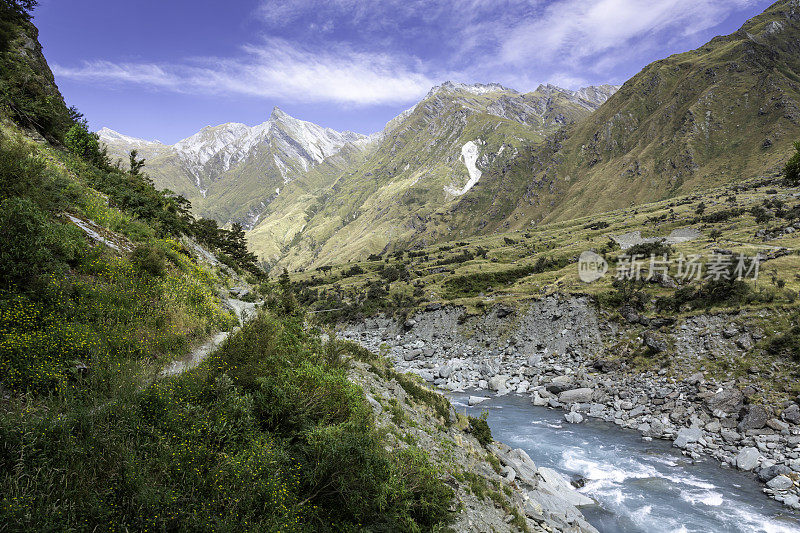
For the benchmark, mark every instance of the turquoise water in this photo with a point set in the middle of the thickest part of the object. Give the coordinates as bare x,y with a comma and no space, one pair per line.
639,486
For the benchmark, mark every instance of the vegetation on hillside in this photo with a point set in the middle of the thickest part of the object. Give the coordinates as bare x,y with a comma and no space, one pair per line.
268,435
101,285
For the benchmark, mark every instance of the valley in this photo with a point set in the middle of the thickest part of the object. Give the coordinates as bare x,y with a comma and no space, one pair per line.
558,309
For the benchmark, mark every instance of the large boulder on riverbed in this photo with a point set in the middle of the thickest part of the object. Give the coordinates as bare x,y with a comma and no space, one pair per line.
557,485
688,436
748,459
582,395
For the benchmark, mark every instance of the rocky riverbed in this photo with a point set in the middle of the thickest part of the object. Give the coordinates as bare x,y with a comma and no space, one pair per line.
563,353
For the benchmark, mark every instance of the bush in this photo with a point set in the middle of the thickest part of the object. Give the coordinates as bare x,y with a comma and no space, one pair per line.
792,169
479,428
786,344
31,246
150,260
86,145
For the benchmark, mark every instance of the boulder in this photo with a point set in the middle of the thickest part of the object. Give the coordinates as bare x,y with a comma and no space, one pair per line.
582,395
772,471
745,342
792,414
557,485
508,473
446,371
688,436
412,354
520,461
726,402
475,400
573,417
747,459
656,341
560,384
498,383
780,483
755,417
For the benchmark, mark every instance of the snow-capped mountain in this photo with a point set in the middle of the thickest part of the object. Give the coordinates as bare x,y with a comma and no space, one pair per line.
240,163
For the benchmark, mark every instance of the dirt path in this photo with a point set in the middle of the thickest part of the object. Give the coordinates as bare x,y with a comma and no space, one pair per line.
244,311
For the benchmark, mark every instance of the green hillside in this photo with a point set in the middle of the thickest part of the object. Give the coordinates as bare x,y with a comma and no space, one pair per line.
394,198
104,281
728,110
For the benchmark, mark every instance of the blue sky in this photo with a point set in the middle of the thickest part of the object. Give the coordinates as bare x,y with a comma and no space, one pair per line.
164,69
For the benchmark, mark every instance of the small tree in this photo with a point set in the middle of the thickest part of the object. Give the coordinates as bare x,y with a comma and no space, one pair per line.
136,164
86,145
792,169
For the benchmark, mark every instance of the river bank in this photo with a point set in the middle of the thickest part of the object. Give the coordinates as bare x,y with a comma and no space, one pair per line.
563,353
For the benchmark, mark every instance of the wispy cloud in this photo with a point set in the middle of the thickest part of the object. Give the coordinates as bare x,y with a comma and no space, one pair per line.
576,31
273,69
368,52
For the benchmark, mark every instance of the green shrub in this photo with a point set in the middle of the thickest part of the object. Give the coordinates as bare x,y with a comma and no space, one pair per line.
149,259
479,428
792,169
86,145
31,246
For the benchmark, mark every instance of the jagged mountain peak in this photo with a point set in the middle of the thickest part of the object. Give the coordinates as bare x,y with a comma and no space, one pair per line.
474,88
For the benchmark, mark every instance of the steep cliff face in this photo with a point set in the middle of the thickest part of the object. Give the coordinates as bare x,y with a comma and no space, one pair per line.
726,111
28,92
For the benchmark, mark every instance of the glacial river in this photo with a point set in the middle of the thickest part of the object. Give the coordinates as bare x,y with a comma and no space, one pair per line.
639,486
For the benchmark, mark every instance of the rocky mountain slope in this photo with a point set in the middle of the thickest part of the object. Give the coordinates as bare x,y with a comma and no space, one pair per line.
426,161
231,171
726,111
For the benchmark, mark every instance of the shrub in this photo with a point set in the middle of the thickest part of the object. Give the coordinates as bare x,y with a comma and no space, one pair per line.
786,344
479,428
792,169
149,259
86,145
32,246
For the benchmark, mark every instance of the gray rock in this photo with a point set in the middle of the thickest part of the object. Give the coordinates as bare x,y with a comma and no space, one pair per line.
777,425
655,341
582,395
557,387
497,383
792,414
755,418
557,485
730,435
772,471
780,483
446,371
573,417
745,342
687,436
475,400
412,354
727,402
747,459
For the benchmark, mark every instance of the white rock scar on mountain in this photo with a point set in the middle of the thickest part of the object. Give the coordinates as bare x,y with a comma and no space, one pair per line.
469,154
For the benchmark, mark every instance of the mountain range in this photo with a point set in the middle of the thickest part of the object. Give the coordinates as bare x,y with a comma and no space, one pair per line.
475,159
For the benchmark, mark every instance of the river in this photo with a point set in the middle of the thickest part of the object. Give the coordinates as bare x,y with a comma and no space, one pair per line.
639,486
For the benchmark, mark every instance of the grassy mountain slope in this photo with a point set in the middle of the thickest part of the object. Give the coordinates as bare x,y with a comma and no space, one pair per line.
727,110
418,170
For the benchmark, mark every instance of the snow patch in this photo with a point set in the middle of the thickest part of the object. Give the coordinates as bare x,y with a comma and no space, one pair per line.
469,155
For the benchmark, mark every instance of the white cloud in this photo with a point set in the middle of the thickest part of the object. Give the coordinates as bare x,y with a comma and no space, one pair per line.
275,69
575,30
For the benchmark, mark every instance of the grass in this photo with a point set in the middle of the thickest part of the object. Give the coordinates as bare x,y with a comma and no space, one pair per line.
519,265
